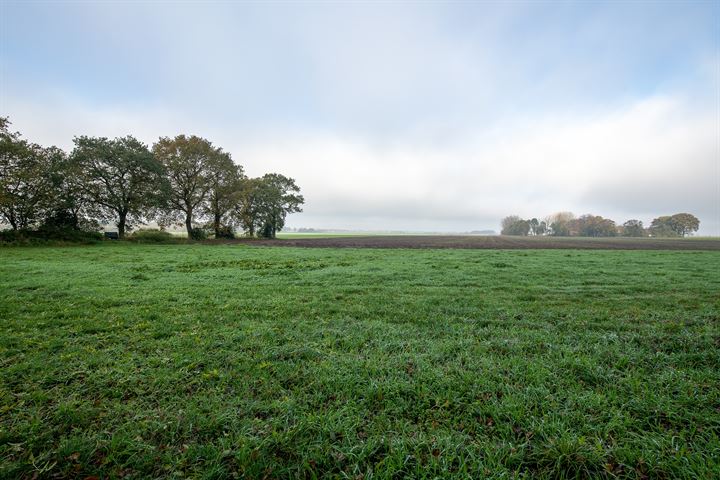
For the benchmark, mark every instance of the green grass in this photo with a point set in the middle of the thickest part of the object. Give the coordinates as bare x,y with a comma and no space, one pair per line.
220,361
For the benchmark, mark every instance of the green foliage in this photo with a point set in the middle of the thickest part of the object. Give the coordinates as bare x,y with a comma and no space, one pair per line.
185,178
534,227
193,167
564,224
594,226
25,179
120,177
198,233
225,189
678,225
15,237
265,203
561,224
633,228
514,225
684,223
151,235
49,235
248,207
191,361
224,231
68,219
662,227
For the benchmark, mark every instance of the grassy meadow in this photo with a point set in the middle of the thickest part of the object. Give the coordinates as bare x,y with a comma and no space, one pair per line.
230,361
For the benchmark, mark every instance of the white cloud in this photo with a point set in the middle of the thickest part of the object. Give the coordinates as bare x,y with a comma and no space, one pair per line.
654,157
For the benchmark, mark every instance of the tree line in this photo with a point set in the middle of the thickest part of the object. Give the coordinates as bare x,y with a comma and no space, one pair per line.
565,224
182,180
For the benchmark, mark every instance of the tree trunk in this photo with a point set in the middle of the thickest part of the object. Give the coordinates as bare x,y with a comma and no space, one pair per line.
122,218
188,223
216,224
75,219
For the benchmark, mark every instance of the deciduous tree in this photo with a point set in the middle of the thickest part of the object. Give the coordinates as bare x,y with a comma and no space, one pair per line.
277,196
121,177
225,180
190,163
662,227
247,208
560,224
633,228
514,225
541,228
684,223
595,226
534,225
24,181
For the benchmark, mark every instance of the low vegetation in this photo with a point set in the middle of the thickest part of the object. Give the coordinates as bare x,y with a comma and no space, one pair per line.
45,236
147,361
150,235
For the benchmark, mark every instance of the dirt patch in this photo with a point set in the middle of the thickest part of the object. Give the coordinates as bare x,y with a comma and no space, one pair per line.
492,242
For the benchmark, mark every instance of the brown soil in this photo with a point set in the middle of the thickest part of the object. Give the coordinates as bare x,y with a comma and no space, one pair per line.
494,242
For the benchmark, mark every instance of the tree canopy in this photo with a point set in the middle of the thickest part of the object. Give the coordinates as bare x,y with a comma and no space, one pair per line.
678,225
594,226
633,228
266,202
189,164
181,179
226,186
121,177
514,225
564,224
25,178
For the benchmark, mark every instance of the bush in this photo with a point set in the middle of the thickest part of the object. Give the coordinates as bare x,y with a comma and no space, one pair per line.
198,234
49,235
151,235
13,236
225,231
70,235
61,219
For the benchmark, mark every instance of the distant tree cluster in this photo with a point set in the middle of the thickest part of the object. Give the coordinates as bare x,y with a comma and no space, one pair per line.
181,180
565,224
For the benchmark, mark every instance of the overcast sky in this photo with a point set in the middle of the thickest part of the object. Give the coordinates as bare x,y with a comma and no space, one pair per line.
426,116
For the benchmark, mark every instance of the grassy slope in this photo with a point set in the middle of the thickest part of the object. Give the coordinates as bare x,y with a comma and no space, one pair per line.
153,360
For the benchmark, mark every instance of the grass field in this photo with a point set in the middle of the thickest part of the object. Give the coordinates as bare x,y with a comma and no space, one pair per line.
239,361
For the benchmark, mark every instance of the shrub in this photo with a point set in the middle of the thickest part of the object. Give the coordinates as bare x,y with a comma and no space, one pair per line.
61,219
70,235
226,231
198,234
12,237
151,235
49,235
